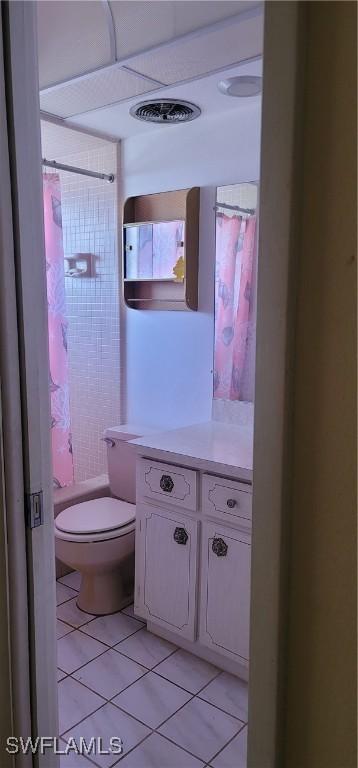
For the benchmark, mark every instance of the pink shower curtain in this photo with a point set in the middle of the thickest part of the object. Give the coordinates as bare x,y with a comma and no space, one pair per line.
235,244
62,462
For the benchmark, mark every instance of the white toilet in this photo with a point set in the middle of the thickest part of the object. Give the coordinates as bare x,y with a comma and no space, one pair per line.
96,537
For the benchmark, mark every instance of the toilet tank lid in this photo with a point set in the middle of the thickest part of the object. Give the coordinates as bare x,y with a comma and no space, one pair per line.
129,431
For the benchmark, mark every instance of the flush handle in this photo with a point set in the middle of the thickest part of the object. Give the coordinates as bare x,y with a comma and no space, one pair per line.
108,441
231,503
180,536
166,483
219,547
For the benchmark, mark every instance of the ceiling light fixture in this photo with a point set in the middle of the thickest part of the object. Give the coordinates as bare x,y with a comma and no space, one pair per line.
241,86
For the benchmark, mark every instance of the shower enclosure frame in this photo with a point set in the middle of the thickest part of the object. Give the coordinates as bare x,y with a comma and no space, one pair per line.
33,646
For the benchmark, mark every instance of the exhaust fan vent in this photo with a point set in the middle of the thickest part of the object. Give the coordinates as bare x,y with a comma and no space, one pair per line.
166,111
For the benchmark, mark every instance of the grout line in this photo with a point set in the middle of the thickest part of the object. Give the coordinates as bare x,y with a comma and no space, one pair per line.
80,629
164,736
86,716
64,601
107,648
229,742
186,689
155,730
97,710
150,669
71,625
85,665
221,710
124,754
59,581
109,701
226,712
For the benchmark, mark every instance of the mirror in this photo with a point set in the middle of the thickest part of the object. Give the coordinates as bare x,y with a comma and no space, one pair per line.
154,251
235,292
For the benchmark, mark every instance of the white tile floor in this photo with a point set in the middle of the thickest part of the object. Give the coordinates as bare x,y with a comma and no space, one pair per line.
171,709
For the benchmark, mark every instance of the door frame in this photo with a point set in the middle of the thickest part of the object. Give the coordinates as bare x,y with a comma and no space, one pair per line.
280,200
283,50
37,595
14,609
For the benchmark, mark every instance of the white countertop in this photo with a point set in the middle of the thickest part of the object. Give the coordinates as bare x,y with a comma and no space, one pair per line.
214,445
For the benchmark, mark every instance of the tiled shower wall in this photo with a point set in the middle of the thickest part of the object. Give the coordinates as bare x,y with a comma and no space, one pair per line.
89,221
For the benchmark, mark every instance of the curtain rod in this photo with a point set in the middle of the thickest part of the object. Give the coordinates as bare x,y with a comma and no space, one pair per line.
73,169
249,211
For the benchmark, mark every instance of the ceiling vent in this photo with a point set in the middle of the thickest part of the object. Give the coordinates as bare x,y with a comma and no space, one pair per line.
166,111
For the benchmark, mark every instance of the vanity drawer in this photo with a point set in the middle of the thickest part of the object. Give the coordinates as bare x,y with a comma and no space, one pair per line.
167,483
226,499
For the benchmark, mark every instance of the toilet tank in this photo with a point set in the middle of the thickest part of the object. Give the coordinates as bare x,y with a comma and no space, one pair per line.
121,459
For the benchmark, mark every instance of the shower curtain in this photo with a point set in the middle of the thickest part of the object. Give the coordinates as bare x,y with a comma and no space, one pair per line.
235,245
62,462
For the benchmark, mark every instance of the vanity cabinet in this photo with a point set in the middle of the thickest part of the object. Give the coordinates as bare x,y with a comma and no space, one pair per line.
193,554
166,552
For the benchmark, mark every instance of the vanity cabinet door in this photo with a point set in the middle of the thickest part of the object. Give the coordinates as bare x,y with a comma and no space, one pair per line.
167,569
225,591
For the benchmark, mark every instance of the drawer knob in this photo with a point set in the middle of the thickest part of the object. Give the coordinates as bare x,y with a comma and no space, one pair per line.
231,503
166,483
219,547
180,536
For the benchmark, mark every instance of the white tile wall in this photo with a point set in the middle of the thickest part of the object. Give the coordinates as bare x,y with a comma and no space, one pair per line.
89,219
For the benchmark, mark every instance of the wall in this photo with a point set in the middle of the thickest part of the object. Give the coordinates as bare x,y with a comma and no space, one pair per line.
89,221
170,354
321,699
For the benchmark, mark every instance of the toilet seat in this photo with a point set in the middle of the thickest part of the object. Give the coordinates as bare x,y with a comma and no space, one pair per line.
96,520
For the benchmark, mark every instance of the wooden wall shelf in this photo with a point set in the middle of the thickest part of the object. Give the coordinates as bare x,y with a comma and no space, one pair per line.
165,293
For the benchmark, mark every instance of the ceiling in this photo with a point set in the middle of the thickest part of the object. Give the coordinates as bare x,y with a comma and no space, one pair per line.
116,120
97,58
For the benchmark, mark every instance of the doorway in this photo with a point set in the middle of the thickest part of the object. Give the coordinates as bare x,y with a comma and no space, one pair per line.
210,758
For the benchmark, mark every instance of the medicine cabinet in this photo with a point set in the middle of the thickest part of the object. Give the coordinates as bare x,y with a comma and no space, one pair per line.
160,250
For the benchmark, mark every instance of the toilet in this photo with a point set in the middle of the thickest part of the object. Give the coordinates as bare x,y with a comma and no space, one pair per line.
96,537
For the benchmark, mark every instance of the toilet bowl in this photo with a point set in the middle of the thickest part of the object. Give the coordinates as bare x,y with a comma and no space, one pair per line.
97,538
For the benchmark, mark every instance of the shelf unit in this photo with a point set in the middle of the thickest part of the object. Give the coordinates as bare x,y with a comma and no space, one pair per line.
167,293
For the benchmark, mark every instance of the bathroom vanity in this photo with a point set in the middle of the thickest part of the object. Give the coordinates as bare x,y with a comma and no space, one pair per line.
193,539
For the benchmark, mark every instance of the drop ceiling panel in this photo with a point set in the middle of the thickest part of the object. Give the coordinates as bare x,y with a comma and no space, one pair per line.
73,38
92,92
140,25
203,53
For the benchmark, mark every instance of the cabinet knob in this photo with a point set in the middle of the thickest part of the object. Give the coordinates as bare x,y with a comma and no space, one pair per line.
180,536
166,483
231,503
219,547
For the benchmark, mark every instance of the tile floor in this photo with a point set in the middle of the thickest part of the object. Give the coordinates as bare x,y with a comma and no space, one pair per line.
171,709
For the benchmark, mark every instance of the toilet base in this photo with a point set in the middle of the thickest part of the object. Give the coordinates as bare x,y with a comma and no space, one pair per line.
107,571
107,592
